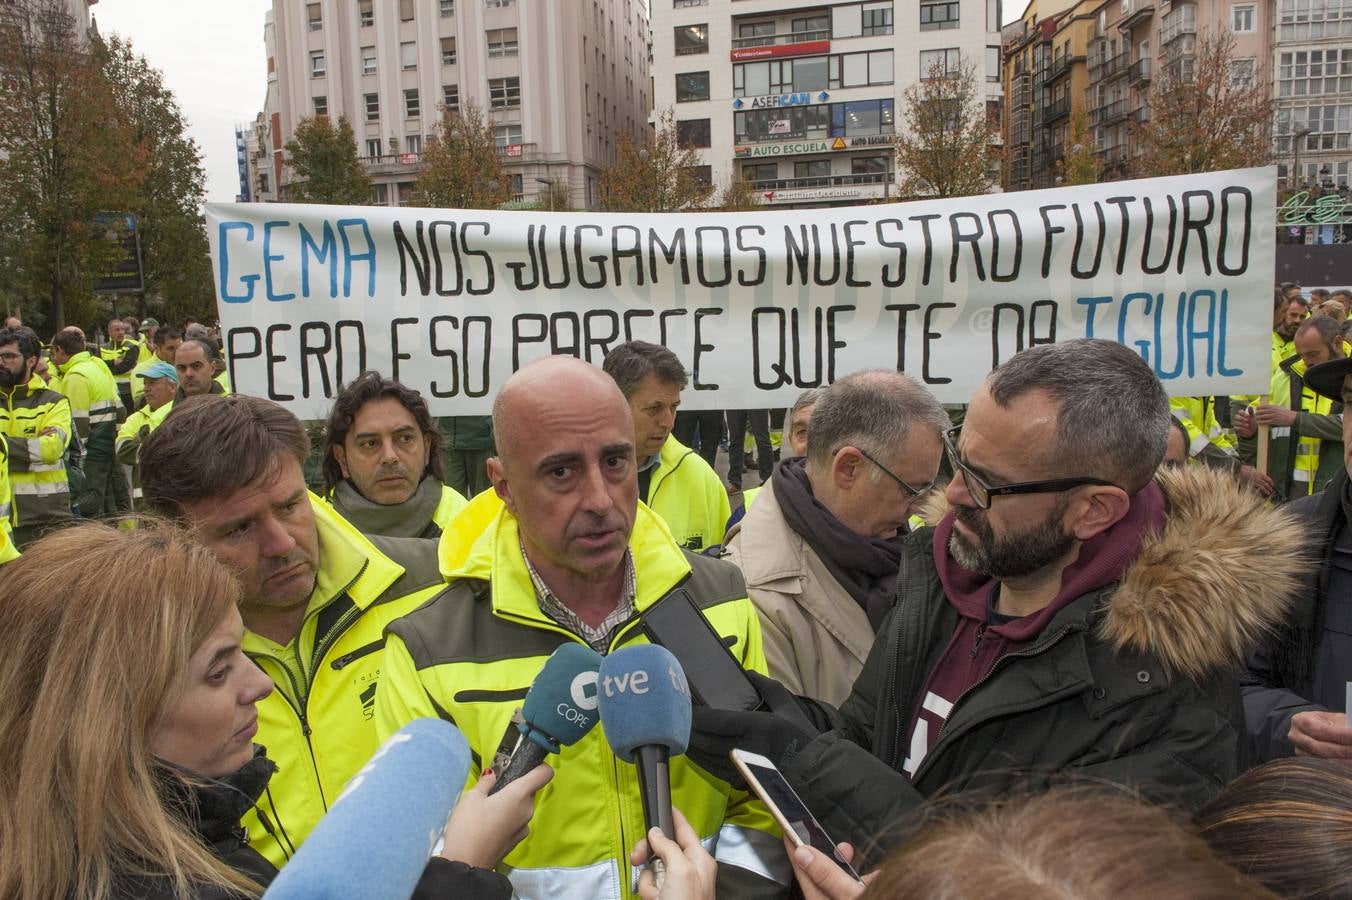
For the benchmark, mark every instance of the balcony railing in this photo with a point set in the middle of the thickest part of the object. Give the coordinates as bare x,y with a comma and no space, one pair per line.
1139,71
1140,115
1059,66
1113,156
817,181
388,163
510,153
1113,112
1055,110
790,37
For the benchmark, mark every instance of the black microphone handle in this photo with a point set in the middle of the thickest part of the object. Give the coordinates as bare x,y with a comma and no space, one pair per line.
528,755
654,786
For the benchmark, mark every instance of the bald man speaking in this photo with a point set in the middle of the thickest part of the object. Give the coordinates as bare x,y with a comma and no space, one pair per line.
571,557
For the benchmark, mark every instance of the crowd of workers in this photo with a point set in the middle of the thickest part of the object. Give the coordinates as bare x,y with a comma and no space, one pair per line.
1073,639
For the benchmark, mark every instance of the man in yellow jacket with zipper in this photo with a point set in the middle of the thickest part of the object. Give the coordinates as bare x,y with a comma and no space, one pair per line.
571,556
317,594
97,410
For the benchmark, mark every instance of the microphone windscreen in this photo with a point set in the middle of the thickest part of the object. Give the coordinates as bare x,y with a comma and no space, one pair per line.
644,699
377,837
560,707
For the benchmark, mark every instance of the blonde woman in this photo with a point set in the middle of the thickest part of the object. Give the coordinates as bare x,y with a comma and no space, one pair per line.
126,732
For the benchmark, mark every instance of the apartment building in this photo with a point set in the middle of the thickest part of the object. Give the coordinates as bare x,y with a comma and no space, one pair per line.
560,81
1046,80
1312,92
802,98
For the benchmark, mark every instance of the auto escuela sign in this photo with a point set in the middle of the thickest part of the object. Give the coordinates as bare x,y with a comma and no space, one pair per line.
758,307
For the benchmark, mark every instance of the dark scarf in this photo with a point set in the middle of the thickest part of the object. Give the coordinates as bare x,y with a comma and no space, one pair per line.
213,807
408,519
864,566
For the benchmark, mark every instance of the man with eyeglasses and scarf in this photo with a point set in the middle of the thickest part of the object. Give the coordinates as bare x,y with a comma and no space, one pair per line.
1075,616
821,547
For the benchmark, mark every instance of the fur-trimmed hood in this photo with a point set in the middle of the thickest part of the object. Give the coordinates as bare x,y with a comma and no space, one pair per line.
1219,576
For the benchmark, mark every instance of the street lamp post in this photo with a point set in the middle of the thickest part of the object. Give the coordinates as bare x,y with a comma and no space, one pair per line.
1298,138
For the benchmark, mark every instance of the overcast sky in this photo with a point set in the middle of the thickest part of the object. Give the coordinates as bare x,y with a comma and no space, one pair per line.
211,54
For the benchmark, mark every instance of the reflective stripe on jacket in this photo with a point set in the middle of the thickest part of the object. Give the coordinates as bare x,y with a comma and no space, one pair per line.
318,724
471,656
37,466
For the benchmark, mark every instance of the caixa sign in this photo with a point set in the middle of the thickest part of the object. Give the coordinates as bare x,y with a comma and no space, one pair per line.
770,101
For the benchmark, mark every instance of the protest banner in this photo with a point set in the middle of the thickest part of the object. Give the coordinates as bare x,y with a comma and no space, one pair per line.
757,305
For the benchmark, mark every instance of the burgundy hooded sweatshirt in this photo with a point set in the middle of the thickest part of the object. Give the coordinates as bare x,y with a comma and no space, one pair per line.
979,641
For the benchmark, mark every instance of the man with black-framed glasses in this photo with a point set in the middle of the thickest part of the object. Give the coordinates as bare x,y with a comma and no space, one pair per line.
820,548
1074,616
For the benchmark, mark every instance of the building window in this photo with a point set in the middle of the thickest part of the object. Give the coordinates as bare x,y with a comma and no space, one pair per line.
321,105
1329,126
702,174
877,20
504,93
1301,20
678,4
692,39
692,86
517,185
380,195
1306,72
1242,72
412,106
760,172
993,64
692,132
408,55
868,165
448,51
747,32
372,107
498,4
450,97
1242,19
413,143
934,16
813,28
366,16
939,63
368,60
447,8
373,148
812,73
316,63
263,182
501,42
406,10
314,16
812,168
507,136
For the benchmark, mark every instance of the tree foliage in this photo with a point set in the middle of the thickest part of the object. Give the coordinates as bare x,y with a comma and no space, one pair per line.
1201,118
64,157
1081,165
556,197
461,165
737,195
944,147
174,250
324,163
657,175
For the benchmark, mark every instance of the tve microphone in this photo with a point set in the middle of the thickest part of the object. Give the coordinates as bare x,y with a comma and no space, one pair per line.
559,710
376,839
645,705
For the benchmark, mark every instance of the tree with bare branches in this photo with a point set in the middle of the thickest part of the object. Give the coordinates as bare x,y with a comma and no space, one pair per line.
461,165
658,175
737,195
1205,114
944,146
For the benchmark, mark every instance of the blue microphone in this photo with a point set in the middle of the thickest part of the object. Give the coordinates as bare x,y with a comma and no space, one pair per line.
559,710
645,705
377,837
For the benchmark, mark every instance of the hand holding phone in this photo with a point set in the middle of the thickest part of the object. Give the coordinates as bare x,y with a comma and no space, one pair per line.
799,825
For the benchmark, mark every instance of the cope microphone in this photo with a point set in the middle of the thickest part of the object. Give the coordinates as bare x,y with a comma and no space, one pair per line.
376,839
645,705
559,710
